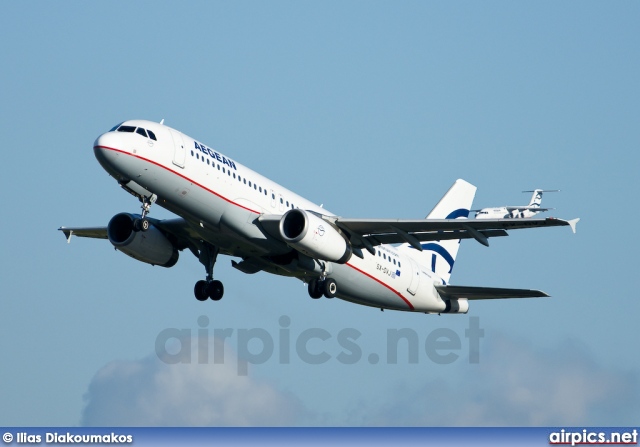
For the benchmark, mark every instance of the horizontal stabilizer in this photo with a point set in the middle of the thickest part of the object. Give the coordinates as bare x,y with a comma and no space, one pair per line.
486,293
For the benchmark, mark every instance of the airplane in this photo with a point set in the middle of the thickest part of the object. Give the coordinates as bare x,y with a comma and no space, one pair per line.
517,212
225,208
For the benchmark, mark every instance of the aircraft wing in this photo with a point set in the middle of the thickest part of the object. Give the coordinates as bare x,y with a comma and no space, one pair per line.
486,293
92,232
364,233
178,229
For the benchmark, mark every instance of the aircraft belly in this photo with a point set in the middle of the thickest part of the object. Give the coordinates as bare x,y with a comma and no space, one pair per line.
361,282
222,222
356,286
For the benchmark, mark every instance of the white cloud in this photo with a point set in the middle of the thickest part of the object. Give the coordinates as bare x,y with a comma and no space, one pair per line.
150,392
515,385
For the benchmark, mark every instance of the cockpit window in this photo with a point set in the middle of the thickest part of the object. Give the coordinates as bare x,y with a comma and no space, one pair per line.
142,132
115,127
152,135
129,129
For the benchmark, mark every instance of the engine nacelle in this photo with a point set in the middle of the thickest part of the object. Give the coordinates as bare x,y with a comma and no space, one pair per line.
149,246
314,237
456,306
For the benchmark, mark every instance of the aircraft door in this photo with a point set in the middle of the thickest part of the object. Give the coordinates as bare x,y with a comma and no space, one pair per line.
179,153
281,202
415,277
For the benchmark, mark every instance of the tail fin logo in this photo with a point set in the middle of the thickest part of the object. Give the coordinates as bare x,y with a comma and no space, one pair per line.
438,248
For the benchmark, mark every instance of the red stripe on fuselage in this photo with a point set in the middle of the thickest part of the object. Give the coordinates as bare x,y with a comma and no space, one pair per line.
178,174
384,284
248,209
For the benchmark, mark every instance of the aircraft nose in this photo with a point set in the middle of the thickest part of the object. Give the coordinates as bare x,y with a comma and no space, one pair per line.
107,148
109,140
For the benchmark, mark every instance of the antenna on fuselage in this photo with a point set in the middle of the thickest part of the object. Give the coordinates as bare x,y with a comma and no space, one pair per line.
162,121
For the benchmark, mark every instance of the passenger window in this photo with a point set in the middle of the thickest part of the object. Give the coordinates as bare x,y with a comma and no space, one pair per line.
197,157
142,132
261,189
207,161
152,135
129,129
223,171
394,262
399,264
218,167
281,201
234,175
245,181
287,204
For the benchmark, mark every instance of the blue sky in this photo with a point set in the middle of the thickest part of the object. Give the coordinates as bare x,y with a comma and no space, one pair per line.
373,109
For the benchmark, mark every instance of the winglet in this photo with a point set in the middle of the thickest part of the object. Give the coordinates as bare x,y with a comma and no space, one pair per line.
67,233
572,224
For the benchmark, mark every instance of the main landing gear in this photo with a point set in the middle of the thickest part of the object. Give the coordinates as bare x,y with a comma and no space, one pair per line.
319,287
208,288
143,224
323,286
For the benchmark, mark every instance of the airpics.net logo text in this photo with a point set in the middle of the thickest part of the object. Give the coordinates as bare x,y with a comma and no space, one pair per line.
313,346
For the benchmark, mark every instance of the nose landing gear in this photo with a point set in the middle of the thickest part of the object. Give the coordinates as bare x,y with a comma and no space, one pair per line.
143,223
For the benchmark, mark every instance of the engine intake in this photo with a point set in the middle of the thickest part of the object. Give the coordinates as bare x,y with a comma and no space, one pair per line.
311,235
151,246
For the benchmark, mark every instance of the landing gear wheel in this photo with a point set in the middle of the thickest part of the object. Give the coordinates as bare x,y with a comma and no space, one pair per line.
141,224
315,291
329,287
200,290
215,290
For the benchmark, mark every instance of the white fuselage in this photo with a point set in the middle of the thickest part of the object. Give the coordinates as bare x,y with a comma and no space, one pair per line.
223,199
503,212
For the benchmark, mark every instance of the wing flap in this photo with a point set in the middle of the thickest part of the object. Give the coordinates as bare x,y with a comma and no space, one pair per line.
390,231
486,293
391,238
381,226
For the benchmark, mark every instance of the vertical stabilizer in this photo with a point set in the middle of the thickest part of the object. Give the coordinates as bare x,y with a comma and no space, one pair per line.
439,256
536,198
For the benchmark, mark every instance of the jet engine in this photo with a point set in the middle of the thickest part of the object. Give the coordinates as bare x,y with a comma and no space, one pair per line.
311,235
150,246
456,306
